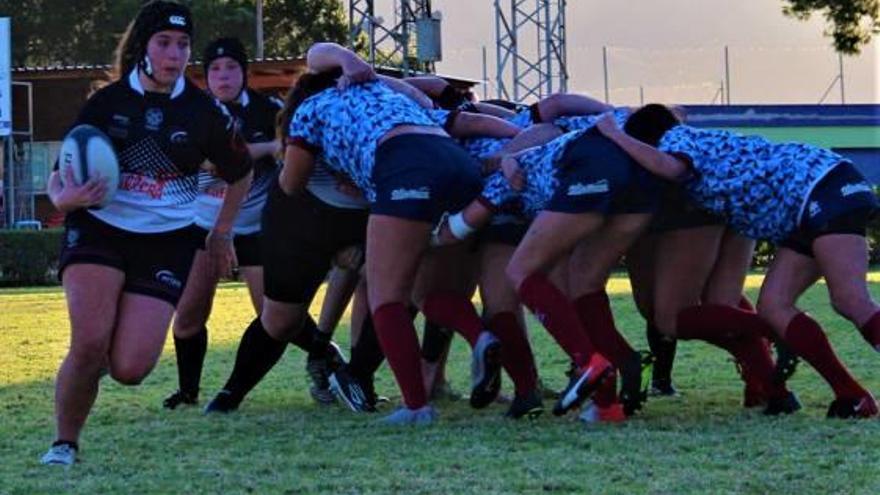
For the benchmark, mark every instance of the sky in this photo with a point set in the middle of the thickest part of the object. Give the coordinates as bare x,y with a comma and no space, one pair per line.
673,50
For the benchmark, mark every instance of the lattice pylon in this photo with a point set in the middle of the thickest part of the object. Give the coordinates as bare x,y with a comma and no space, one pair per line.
522,75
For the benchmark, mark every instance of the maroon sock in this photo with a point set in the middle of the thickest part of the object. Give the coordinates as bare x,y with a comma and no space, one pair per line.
516,353
753,353
597,319
871,331
710,320
805,337
606,395
397,336
558,316
454,311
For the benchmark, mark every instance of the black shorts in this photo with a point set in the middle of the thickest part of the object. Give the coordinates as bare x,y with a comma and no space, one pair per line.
843,202
677,211
155,265
596,175
505,228
300,237
421,176
247,247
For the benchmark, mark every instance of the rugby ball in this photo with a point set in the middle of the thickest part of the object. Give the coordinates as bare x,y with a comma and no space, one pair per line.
88,151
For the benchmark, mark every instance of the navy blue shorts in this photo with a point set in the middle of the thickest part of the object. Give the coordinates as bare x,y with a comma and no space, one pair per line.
843,202
596,175
421,176
155,265
247,247
677,211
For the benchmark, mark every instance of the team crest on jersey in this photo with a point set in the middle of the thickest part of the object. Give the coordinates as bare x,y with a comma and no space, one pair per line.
179,137
154,118
72,237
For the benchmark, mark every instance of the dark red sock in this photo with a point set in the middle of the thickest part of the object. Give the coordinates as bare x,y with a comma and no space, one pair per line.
397,335
597,319
516,353
745,304
454,311
871,331
805,337
753,354
710,320
606,395
558,316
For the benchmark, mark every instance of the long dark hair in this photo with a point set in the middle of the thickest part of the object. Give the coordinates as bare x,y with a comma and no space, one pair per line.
649,123
307,85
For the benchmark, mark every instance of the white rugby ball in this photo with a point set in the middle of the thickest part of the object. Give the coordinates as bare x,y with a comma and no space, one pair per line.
88,151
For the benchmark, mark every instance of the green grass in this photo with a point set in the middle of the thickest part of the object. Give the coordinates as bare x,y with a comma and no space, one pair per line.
279,442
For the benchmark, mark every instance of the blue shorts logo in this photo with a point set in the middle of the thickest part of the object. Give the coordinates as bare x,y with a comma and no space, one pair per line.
579,189
850,189
422,193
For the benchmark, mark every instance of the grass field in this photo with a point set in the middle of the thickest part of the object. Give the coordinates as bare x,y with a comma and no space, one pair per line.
280,442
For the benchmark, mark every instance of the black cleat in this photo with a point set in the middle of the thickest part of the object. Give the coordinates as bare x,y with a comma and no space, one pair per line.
180,398
222,403
318,370
350,391
634,381
786,363
860,408
784,405
529,406
662,388
485,371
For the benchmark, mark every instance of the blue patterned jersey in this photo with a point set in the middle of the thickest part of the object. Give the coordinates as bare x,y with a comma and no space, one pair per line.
760,188
570,123
522,118
344,127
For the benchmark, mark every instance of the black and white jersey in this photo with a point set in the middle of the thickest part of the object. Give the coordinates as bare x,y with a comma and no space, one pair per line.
255,120
161,141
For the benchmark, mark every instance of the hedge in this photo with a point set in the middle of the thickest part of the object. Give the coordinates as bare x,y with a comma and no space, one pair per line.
29,257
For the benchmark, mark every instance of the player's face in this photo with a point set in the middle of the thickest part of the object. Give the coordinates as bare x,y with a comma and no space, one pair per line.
225,78
169,53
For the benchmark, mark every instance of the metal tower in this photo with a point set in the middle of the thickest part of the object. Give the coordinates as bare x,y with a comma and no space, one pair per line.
524,72
412,43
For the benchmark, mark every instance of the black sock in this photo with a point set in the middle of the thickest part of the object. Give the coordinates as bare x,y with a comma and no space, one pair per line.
435,341
366,354
310,339
190,358
663,349
257,354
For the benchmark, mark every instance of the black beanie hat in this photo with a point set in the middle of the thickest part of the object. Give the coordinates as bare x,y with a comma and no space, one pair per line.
225,47
162,16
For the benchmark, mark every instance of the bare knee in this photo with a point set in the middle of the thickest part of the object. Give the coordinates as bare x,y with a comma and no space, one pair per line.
129,373
853,307
515,274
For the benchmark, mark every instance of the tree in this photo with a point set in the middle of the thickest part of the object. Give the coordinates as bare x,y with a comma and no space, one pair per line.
71,32
291,26
851,23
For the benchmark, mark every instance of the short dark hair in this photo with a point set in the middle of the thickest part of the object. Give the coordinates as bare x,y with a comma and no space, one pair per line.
649,123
